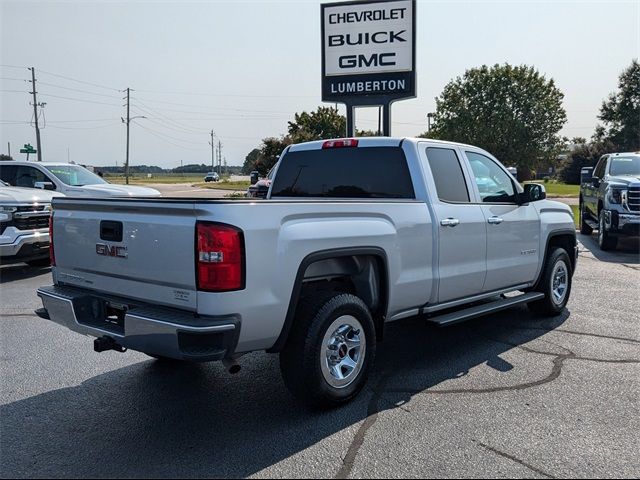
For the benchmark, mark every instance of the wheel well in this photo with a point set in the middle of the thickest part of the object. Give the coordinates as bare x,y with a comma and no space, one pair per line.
361,275
599,207
567,242
361,272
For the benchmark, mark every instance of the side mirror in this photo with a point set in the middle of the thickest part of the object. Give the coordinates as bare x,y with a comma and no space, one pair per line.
44,185
585,175
595,181
532,193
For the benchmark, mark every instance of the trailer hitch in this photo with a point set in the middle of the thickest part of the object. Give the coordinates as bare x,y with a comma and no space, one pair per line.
105,343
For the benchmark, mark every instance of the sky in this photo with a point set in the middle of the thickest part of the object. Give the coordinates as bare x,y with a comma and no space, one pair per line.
242,69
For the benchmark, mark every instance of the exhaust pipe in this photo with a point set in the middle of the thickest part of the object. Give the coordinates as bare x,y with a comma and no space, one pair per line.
231,365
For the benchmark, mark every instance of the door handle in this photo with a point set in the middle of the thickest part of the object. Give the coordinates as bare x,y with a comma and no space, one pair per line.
495,220
449,222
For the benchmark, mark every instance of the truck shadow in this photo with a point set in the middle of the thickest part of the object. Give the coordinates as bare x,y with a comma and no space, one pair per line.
152,419
627,251
20,271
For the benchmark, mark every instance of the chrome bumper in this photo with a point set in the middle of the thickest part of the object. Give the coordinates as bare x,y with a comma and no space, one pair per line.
153,330
12,241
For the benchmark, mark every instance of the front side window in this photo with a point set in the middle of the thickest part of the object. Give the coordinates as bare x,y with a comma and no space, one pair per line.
447,175
600,167
75,175
28,176
494,184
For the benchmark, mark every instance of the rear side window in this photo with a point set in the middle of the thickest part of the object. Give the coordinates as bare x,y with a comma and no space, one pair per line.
447,174
8,173
359,172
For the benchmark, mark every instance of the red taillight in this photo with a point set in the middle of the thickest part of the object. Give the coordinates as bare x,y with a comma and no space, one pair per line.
52,255
219,257
342,143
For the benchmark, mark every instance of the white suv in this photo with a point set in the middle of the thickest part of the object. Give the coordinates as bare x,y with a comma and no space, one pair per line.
69,179
24,225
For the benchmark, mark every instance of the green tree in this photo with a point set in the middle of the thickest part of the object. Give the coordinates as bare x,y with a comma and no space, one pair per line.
4,156
250,161
513,112
584,155
270,151
325,122
620,113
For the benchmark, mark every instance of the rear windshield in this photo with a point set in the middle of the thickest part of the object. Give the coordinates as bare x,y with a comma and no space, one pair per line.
360,172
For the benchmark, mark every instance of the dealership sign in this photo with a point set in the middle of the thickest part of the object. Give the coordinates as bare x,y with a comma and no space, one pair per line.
368,52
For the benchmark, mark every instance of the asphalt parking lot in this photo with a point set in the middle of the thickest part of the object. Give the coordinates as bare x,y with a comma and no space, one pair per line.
510,395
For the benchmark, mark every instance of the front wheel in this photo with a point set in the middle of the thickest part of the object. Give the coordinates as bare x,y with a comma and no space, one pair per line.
330,350
555,284
605,240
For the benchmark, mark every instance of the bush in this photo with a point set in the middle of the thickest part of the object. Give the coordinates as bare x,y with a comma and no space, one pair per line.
586,155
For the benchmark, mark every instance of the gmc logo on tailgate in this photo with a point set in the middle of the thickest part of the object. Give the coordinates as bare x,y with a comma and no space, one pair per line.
111,251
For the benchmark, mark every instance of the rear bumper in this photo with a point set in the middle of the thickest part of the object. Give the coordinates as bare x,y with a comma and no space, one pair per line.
21,246
159,331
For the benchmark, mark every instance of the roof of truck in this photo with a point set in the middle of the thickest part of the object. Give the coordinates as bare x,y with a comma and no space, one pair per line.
373,142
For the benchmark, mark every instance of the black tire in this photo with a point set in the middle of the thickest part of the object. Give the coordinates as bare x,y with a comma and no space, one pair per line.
585,228
41,262
301,360
550,305
605,240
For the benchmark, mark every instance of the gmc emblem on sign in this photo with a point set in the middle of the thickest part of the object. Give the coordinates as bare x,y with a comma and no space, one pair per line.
111,251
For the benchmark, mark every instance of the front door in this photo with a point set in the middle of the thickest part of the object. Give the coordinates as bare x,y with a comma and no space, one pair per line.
513,231
461,225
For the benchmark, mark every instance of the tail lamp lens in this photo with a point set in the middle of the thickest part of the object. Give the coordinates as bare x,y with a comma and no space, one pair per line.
219,257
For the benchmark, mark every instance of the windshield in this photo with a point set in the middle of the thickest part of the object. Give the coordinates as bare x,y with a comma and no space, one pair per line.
625,166
75,175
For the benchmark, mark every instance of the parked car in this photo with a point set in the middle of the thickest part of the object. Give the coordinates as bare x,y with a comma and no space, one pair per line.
67,178
261,187
339,248
24,225
610,199
212,177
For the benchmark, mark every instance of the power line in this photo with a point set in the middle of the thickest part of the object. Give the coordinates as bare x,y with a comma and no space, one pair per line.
14,66
80,100
161,137
224,95
85,128
80,81
77,90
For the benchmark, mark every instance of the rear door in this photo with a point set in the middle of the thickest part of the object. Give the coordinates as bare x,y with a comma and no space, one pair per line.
513,231
136,249
461,225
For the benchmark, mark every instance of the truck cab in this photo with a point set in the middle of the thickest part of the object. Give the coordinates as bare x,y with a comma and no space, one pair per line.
610,199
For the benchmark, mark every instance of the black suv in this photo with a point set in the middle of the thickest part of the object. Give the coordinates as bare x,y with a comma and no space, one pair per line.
610,198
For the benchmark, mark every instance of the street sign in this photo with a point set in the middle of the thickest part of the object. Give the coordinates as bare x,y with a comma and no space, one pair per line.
368,54
28,149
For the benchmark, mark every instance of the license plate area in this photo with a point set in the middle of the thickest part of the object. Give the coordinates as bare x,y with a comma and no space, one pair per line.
100,313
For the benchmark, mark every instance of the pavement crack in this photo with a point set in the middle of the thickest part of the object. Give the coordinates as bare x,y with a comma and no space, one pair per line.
372,416
514,459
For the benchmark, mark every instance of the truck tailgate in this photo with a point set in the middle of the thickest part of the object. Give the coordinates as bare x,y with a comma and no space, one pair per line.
139,249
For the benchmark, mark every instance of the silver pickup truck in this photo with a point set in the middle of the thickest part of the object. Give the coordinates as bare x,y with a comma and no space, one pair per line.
354,233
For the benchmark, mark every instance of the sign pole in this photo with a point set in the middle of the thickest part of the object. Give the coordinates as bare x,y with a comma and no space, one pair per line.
386,119
351,132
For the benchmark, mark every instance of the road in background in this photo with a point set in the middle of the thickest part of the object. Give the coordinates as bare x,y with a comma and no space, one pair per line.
509,395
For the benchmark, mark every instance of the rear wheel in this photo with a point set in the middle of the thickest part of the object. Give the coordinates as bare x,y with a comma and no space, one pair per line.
555,284
585,228
605,240
330,350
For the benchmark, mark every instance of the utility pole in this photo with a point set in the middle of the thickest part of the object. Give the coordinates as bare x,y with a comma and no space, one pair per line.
213,146
126,162
429,117
127,122
9,147
35,112
219,157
